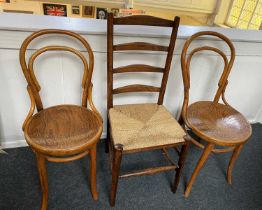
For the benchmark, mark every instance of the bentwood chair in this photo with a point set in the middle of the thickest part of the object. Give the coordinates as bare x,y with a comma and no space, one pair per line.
219,124
141,127
61,133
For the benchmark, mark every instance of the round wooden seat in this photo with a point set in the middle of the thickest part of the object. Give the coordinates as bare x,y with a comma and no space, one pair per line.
218,123
63,130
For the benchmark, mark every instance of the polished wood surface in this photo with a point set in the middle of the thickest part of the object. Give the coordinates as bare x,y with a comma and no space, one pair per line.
61,133
216,123
41,164
117,150
235,155
136,88
143,20
111,48
63,130
140,46
201,161
181,164
137,68
28,71
149,171
117,153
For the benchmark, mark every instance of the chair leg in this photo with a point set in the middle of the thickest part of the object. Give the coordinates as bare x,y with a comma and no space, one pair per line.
43,179
180,120
181,163
235,155
200,163
92,175
117,157
107,138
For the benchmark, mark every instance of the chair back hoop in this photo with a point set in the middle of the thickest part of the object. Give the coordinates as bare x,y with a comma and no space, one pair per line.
143,20
186,59
28,67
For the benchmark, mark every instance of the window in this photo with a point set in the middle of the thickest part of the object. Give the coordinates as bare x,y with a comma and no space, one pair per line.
245,14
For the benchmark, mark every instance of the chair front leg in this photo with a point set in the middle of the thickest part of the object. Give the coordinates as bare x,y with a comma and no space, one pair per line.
117,157
200,164
92,175
235,155
43,179
181,164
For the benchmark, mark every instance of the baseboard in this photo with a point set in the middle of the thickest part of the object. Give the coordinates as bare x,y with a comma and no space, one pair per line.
14,144
22,143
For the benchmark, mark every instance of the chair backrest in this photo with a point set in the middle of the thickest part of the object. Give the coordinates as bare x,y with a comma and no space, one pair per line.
28,67
186,58
111,48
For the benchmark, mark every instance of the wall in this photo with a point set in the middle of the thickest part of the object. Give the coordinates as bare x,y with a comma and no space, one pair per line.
186,18
60,76
22,5
222,12
35,6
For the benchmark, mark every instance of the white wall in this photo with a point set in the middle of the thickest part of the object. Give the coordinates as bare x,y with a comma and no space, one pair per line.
59,74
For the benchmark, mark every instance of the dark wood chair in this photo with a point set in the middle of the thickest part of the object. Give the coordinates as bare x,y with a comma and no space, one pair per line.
219,124
141,127
61,133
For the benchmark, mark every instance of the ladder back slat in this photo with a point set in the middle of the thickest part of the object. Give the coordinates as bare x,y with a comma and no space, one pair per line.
139,46
136,88
143,20
137,68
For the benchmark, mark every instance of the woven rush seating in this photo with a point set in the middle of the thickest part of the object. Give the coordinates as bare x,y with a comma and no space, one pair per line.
138,126
133,128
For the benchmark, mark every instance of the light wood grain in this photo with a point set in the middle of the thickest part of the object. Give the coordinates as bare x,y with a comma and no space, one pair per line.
136,88
216,123
138,68
61,133
139,46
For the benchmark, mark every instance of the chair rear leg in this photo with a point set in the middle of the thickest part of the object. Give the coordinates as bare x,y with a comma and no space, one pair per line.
117,157
107,138
235,155
181,164
43,179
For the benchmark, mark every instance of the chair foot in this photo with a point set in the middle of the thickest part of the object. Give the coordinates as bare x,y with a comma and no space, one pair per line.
92,175
117,157
234,156
43,179
181,163
200,164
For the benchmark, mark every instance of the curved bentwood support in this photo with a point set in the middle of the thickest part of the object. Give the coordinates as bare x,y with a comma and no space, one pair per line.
28,68
67,154
230,142
185,65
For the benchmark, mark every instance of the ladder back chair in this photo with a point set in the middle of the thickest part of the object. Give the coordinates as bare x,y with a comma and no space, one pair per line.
61,133
141,127
219,124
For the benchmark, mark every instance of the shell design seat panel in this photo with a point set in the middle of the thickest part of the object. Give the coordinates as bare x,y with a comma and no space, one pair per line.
218,122
61,128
